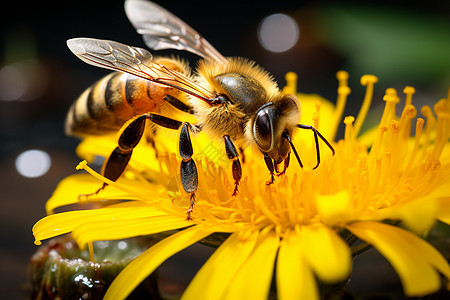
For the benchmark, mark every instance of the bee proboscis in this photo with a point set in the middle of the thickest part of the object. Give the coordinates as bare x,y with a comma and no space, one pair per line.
231,98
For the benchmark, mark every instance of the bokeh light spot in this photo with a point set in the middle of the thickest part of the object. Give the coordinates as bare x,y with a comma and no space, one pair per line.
278,33
33,163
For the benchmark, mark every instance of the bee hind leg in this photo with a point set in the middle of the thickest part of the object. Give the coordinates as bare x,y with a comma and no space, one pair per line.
233,155
120,156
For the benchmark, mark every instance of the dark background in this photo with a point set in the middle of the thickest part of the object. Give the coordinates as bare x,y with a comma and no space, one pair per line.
400,44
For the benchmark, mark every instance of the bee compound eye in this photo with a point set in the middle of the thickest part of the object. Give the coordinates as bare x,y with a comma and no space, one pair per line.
263,130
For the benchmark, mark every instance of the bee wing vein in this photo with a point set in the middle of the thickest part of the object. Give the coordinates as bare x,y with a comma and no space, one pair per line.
136,61
163,30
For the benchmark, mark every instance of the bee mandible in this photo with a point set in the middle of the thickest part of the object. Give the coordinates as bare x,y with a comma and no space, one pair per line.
231,98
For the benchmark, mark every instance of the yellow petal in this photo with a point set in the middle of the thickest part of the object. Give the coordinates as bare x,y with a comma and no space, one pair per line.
254,278
415,261
68,191
147,262
295,280
444,210
65,222
120,229
326,253
309,108
418,216
212,281
336,209
93,146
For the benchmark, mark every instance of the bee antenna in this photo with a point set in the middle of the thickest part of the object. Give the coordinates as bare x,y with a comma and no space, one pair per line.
293,149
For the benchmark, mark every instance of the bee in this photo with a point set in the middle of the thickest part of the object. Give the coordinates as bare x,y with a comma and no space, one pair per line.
231,98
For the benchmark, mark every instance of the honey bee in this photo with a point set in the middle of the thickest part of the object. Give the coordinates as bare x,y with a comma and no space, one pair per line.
231,98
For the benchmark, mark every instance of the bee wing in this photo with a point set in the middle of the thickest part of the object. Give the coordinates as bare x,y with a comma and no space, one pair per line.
163,30
136,61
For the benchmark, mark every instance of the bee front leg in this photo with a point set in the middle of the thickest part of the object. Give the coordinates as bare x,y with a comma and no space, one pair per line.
233,155
271,167
120,156
286,165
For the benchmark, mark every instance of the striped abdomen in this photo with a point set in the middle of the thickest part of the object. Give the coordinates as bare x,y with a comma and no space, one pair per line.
110,102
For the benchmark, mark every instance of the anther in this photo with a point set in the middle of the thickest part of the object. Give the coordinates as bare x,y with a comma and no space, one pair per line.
342,76
391,96
81,165
368,79
291,83
409,92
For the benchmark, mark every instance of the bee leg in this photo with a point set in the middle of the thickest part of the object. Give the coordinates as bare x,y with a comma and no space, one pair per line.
188,169
270,166
233,155
178,104
120,156
241,151
286,165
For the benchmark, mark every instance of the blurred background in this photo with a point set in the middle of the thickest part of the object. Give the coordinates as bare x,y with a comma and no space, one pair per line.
40,78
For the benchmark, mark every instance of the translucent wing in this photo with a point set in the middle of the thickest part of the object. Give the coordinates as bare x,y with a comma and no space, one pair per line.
163,30
137,61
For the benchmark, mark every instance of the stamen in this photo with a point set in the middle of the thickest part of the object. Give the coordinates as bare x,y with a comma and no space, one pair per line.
83,165
409,91
418,134
409,112
260,204
291,83
91,252
343,92
369,81
391,100
316,115
348,121
373,155
430,123
442,110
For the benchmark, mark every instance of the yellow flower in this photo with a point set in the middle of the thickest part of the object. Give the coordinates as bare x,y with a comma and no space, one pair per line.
302,227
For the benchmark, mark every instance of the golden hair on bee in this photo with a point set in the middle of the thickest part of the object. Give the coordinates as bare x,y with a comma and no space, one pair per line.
207,70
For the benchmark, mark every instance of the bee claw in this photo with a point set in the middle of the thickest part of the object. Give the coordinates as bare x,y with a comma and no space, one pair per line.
272,179
191,207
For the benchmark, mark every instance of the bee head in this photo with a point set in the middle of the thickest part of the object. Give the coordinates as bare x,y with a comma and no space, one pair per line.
273,123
